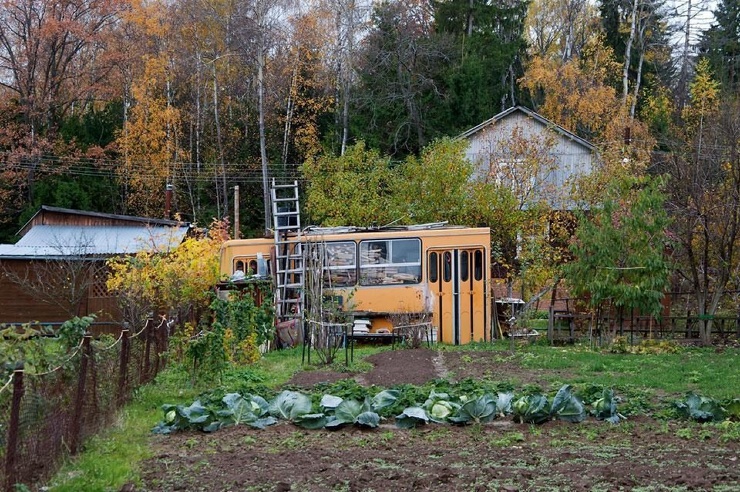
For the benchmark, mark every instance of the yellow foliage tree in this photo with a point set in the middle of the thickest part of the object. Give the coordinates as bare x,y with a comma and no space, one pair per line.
704,94
576,94
308,97
149,141
176,282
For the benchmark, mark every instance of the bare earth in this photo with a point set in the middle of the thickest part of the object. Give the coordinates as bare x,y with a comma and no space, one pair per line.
639,454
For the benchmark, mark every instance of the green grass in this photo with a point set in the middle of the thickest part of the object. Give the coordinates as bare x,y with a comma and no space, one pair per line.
108,460
703,371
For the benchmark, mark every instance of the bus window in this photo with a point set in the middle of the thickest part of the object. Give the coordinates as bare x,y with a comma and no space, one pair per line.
464,266
390,261
447,274
433,267
252,267
340,268
239,265
478,266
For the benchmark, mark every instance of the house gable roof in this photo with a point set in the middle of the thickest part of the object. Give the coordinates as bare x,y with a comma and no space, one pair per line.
539,118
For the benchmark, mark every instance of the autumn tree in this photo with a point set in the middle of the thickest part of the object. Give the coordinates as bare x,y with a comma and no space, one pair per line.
687,21
55,62
174,278
560,29
353,189
309,97
637,32
208,72
149,142
260,28
53,55
346,22
619,250
704,201
577,94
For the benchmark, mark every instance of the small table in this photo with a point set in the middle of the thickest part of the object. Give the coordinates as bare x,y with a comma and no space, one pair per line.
352,337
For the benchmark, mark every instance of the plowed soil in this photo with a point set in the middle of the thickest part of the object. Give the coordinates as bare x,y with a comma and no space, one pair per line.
637,454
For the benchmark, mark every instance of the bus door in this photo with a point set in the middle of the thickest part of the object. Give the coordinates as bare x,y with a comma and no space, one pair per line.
457,280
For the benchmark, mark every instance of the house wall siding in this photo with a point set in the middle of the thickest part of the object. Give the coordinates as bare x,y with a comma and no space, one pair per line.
573,158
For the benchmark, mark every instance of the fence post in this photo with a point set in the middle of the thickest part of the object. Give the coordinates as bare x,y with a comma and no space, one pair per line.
123,367
80,400
12,443
147,350
157,340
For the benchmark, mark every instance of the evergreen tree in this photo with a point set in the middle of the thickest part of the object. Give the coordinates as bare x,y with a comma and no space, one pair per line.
720,44
489,49
400,91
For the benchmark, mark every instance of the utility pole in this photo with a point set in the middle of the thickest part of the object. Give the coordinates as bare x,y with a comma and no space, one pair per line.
236,212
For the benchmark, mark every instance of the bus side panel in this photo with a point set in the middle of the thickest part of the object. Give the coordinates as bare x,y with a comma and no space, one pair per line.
246,250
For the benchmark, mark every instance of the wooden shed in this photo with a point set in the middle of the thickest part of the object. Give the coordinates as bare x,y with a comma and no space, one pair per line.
57,270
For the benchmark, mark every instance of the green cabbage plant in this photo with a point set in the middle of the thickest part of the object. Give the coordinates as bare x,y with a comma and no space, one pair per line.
412,417
700,408
531,409
478,410
605,408
567,406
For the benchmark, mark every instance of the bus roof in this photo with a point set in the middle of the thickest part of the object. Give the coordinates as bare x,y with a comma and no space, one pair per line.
431,229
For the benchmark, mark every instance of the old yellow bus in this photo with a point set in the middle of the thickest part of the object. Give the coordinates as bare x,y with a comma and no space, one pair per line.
381,273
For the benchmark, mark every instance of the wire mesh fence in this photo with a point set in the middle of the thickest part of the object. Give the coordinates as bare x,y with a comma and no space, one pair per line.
45,416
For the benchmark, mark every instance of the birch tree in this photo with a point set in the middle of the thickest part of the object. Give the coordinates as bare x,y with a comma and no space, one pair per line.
560,29
260,24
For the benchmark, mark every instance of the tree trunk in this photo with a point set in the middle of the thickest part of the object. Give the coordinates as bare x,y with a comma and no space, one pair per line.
223,200
628,54
263,143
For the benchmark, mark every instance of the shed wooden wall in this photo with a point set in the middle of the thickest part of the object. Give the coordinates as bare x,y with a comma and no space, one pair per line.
53,217
19,305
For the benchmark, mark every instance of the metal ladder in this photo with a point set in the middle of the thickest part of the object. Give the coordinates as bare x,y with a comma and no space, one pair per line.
289,266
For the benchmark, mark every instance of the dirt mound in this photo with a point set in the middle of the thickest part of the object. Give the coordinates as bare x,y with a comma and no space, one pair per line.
415,366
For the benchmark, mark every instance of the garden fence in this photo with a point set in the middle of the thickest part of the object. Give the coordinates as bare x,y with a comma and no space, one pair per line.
45,416
571,325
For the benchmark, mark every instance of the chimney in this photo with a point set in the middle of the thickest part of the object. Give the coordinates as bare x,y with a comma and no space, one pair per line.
168,201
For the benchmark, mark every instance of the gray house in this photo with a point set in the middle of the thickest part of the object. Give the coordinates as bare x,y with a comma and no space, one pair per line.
539,159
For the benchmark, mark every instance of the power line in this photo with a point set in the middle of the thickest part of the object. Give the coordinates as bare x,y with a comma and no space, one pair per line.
188,171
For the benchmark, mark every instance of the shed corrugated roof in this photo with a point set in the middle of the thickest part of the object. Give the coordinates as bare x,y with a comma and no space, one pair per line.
48,241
